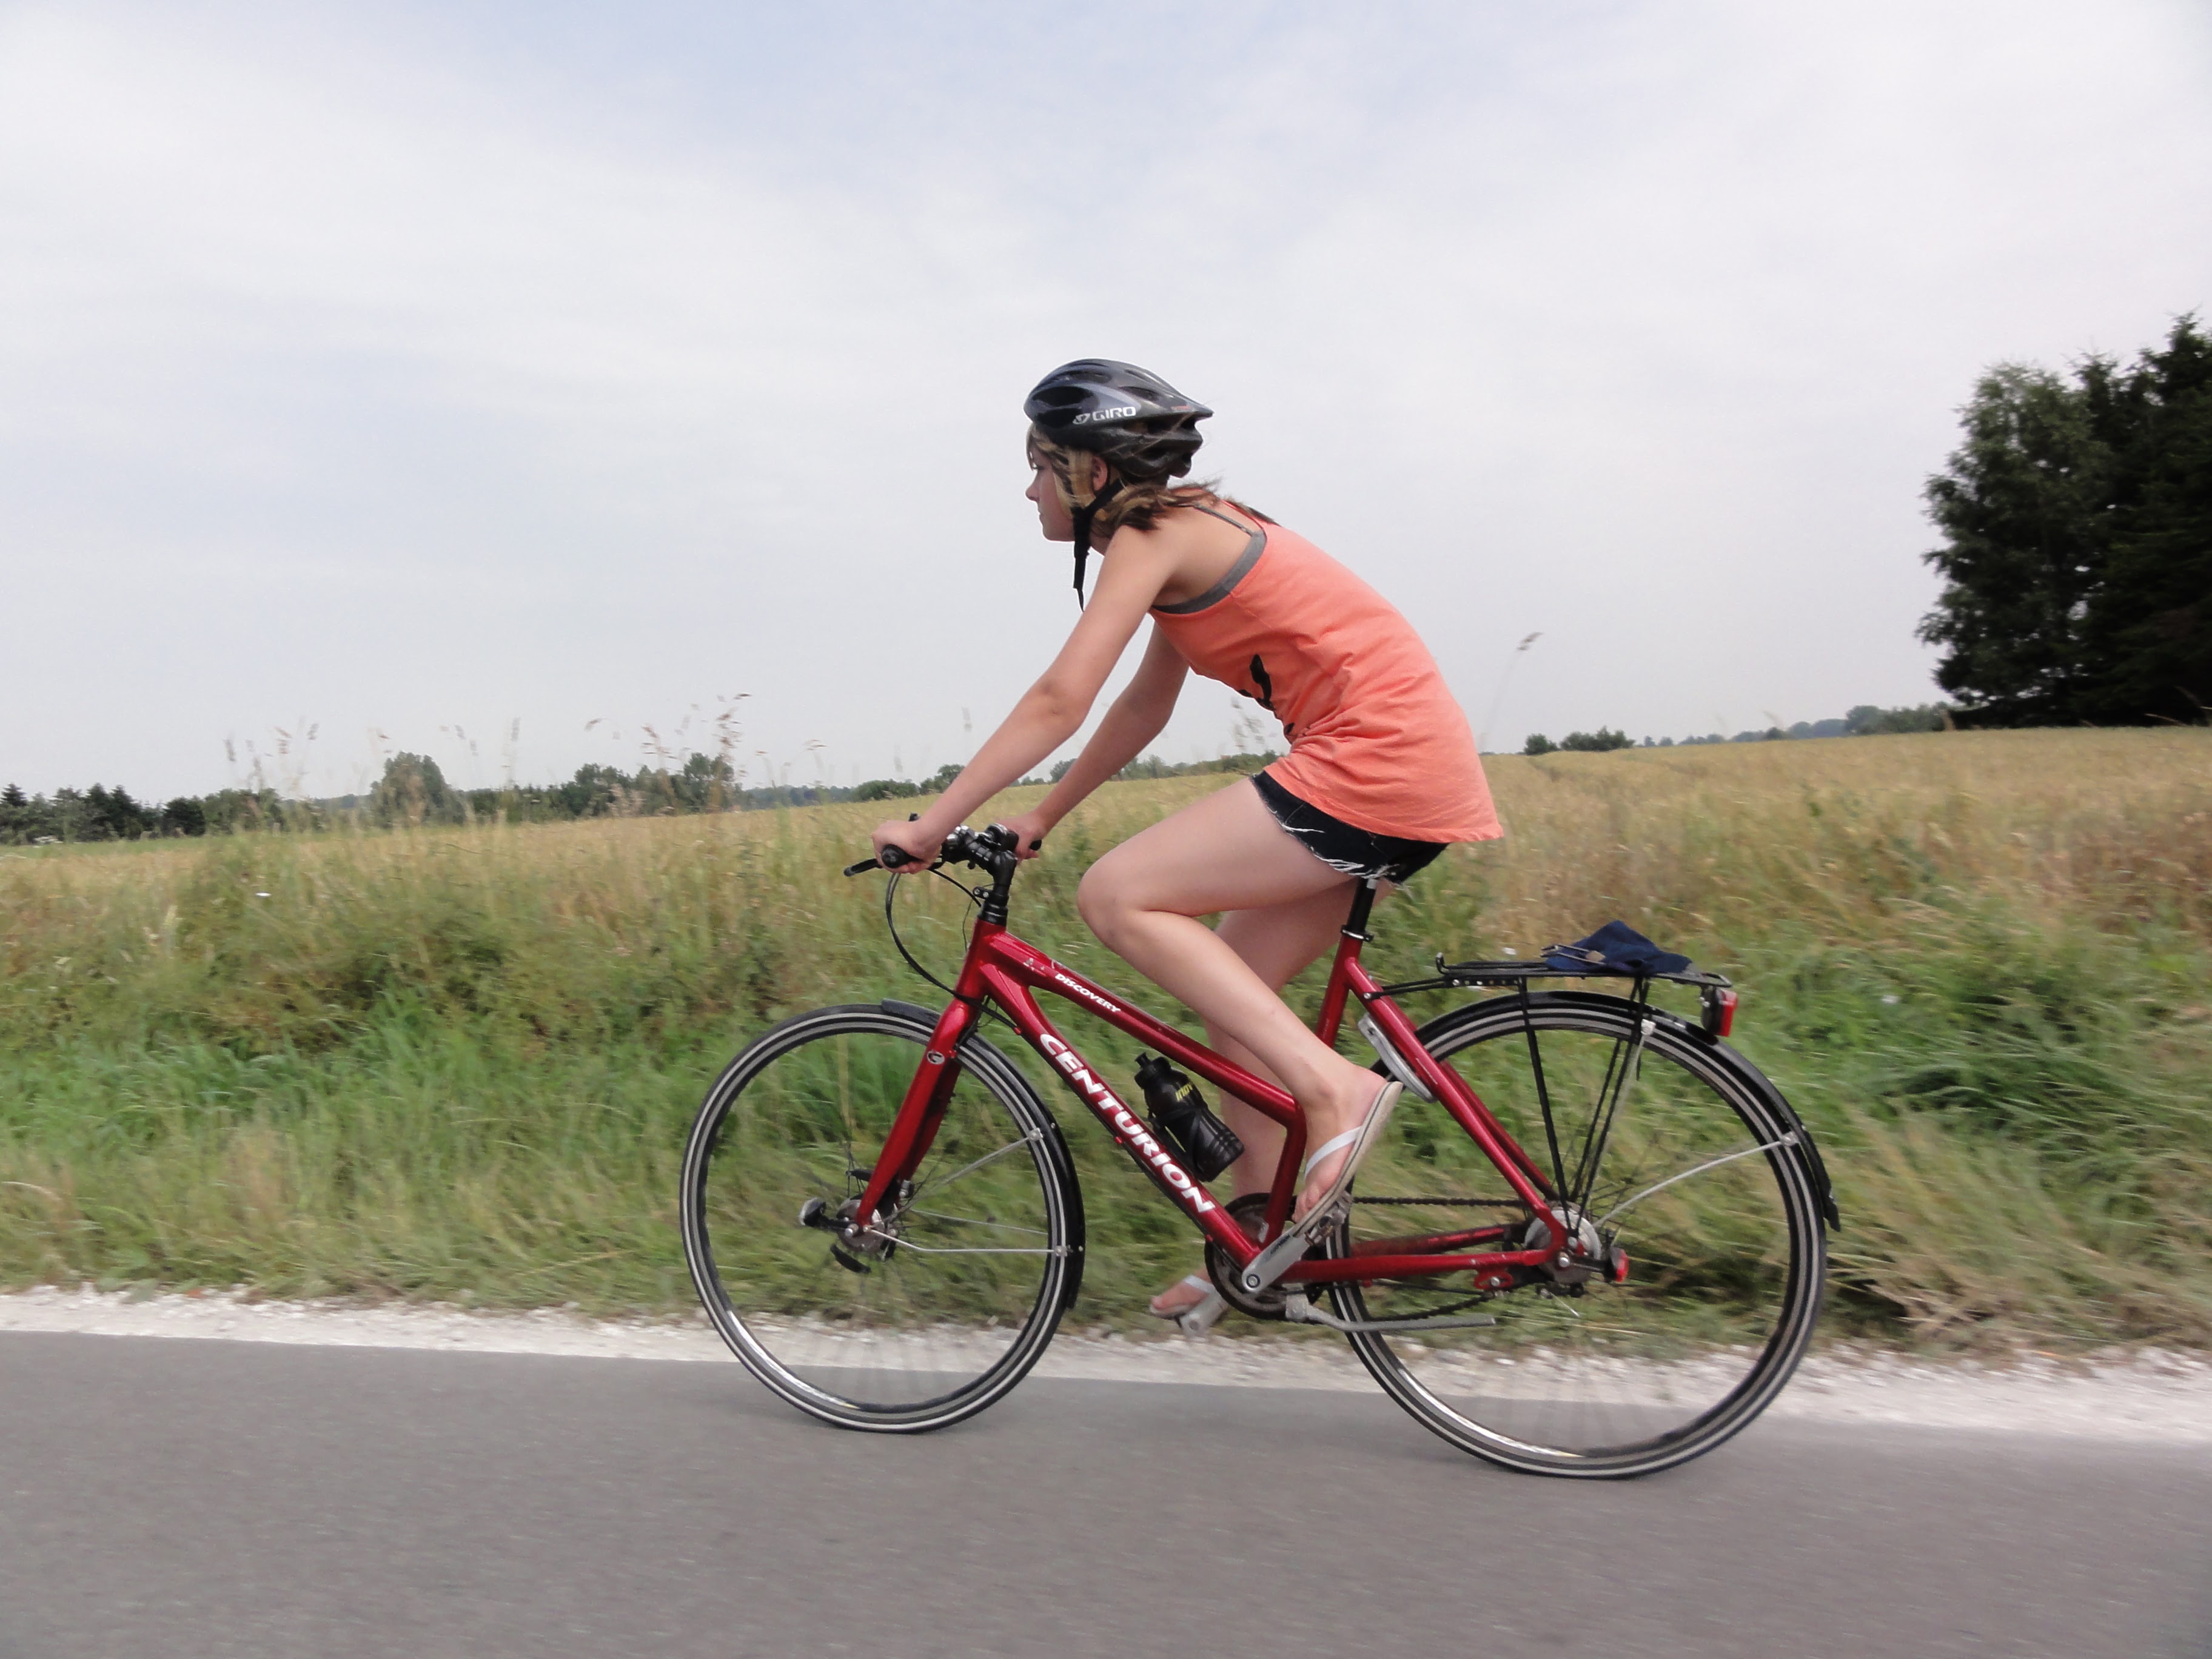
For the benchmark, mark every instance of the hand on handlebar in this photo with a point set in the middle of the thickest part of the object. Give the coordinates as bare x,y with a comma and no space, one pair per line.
989,850
1030,831
914,845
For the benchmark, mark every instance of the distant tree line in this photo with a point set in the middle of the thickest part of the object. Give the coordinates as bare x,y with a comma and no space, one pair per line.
2077,543
413,792
1151,766
102,814
1865,721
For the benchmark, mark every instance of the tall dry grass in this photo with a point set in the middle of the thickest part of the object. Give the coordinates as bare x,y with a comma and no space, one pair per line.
459,1062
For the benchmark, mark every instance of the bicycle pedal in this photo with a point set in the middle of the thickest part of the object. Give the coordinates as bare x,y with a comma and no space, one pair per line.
1205,1316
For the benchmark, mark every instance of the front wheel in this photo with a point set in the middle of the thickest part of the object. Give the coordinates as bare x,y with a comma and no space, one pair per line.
951,1297
1669,1150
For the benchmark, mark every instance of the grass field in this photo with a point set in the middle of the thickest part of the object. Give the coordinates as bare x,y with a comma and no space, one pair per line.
459,1064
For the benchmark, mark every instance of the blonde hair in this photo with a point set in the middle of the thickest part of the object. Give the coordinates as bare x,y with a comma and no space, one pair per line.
1139,503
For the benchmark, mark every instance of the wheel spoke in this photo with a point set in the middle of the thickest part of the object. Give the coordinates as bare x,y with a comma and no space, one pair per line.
1580,1375
923,1317
939,1182
1773,1146
973,1221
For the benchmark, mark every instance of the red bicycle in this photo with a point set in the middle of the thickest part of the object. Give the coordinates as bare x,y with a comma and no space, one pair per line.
1590,1242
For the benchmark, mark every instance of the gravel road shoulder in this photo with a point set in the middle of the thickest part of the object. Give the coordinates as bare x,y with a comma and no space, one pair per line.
2141,1395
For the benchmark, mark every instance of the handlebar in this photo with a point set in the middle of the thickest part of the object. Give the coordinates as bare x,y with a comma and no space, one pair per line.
990,850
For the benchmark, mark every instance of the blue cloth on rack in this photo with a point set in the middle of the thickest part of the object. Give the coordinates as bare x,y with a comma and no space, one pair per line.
1618,948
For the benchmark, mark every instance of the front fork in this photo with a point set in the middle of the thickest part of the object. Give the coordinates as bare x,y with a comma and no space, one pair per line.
920,1113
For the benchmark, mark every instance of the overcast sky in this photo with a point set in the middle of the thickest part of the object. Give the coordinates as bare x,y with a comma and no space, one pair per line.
448,377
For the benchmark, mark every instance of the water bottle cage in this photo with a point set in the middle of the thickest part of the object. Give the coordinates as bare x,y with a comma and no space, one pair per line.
1205,1146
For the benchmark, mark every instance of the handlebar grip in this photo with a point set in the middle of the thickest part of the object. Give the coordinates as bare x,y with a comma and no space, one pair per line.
891,859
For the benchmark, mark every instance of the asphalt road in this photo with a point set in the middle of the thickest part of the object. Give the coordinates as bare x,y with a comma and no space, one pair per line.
184,1498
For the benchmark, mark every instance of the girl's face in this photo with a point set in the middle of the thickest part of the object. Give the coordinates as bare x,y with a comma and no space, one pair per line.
1053,519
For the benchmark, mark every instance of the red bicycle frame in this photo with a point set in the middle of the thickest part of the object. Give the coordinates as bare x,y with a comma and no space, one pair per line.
1004,970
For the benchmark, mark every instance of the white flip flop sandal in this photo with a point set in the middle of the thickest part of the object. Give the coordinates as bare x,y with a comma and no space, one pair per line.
1202,1315
1361,1140
1196,1281
1270,1264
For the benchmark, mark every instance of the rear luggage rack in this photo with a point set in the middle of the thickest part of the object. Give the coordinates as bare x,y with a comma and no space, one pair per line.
1716,994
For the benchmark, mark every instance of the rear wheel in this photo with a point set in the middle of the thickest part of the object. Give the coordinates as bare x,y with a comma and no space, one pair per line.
943,1305
1667,1149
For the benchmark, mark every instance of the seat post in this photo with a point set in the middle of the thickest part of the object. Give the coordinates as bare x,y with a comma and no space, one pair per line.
1363,901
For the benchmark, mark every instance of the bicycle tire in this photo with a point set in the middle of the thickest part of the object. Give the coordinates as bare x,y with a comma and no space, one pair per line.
1726,1259
953,1309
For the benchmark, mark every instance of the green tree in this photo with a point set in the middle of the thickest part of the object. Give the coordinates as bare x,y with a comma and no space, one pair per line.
705,783
112,815
886,789
412,792
595,792
1595,743
2076,516
230,810
2148,629
2021,504
26,818
1538,744
1867,720
72,816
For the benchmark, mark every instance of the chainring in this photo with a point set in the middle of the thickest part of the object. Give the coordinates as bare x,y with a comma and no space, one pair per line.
1250,1212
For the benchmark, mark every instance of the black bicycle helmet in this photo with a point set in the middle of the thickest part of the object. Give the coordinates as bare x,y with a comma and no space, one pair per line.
1141,426
1137,420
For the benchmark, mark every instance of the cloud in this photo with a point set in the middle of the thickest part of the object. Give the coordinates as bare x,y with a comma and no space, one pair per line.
446,366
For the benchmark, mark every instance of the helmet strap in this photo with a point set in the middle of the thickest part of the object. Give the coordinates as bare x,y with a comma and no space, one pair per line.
1083,513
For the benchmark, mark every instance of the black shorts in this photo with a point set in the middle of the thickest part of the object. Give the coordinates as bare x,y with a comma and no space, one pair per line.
1342,845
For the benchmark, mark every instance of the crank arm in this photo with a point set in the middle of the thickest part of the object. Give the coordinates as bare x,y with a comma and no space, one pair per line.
1278,1257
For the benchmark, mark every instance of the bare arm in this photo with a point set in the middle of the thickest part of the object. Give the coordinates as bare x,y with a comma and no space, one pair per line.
1137,717
1054,709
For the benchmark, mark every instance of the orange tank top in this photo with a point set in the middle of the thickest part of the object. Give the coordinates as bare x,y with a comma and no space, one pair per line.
1376,737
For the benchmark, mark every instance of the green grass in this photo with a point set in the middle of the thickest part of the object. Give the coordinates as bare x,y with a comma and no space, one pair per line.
459,1064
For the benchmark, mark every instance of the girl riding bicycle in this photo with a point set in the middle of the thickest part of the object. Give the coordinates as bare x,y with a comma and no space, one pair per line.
1382,772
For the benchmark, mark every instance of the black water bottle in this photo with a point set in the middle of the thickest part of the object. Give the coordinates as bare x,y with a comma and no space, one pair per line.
1179,1117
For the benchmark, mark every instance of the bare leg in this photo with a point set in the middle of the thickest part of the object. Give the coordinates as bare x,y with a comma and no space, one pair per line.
1226,853
1277,944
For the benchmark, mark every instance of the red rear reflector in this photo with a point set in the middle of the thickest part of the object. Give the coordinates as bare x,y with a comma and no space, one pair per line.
1720,1012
